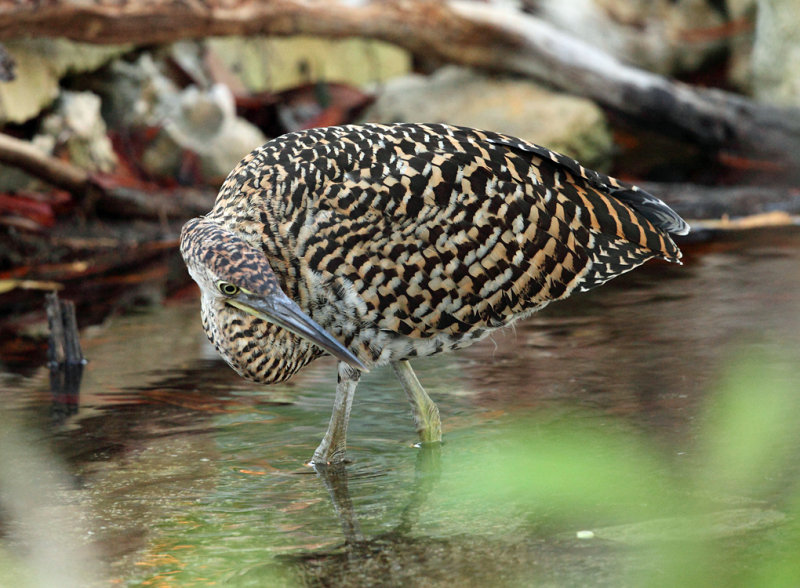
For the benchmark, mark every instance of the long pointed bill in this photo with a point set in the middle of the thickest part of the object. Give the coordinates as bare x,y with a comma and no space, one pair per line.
279,309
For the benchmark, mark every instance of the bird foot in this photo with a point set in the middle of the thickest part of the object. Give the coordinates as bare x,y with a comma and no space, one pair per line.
315,463
326,455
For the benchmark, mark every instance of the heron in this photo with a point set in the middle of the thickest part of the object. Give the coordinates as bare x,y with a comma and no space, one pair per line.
378,244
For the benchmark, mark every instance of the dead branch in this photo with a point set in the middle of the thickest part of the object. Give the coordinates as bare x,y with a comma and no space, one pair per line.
65,357
469,33
22,154
713,202
106,196
126,202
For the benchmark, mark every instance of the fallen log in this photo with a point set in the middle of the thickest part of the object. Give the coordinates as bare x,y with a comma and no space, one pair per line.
23,155
693,201
103,194
159,204
152,203
478,34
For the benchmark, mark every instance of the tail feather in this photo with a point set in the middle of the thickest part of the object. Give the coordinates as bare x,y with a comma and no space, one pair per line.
652,208
643,226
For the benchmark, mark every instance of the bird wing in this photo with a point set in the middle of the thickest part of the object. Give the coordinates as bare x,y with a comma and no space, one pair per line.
650,207
441,229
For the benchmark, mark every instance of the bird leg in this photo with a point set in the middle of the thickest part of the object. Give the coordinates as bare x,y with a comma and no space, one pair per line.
426,414
333,445
334,477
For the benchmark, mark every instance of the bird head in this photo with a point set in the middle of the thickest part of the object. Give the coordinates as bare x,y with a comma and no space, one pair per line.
230,272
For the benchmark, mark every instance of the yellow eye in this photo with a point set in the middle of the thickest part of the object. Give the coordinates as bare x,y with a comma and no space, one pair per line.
227,288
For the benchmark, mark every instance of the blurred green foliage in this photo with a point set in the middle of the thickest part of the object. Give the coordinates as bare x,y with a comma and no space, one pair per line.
725,515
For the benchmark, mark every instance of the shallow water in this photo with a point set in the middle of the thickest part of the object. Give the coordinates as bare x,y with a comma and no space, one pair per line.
614,414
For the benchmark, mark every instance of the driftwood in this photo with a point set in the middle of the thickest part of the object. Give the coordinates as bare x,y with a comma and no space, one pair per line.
115,201
470,33
65,347
18,153
104,195
159,204
714,202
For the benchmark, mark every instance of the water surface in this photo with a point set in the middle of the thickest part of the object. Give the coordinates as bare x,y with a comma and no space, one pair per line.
640,434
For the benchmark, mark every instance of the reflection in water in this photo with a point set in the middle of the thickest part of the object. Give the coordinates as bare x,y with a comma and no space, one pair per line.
588,416
65,384
334,477
427,471
386,556
403,554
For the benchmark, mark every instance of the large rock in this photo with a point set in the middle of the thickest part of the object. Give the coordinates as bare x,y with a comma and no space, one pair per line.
205,123
41,63
77,127
278,63
776,54
459,96
199,119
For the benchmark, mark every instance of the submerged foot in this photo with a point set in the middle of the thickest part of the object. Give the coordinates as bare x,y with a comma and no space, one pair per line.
327,454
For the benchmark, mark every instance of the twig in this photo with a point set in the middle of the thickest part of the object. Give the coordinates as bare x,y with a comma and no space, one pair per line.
713,202
108,198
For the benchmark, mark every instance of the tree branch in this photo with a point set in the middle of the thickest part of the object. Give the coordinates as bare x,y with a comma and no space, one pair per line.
468,33
24,155
709,202
107,196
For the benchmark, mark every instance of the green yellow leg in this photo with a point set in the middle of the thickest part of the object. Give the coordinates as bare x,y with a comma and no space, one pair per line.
334,444
426,414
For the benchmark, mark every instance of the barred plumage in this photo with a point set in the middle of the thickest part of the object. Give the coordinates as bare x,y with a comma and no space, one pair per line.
407,240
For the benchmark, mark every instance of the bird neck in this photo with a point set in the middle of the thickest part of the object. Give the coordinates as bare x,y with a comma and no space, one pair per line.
254,348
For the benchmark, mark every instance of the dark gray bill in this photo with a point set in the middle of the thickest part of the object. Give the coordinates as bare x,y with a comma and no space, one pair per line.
279,309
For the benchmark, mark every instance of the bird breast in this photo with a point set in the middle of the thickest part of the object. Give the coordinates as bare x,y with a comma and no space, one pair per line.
256,349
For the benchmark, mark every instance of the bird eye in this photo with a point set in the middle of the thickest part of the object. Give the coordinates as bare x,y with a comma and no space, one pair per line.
227,288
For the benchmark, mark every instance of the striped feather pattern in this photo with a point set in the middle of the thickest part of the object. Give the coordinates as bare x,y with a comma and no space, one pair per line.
412,239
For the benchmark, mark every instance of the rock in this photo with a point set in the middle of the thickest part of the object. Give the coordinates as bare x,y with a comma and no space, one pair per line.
205,123
77,126
742,12
776,53
573,126
194,120
135,94
278,63
40,64
142,93
189,56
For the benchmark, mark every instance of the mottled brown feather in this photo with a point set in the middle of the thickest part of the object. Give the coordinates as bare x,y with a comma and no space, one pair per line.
408,239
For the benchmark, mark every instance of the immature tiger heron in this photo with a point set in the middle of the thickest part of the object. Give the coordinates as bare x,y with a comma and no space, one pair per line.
378,244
